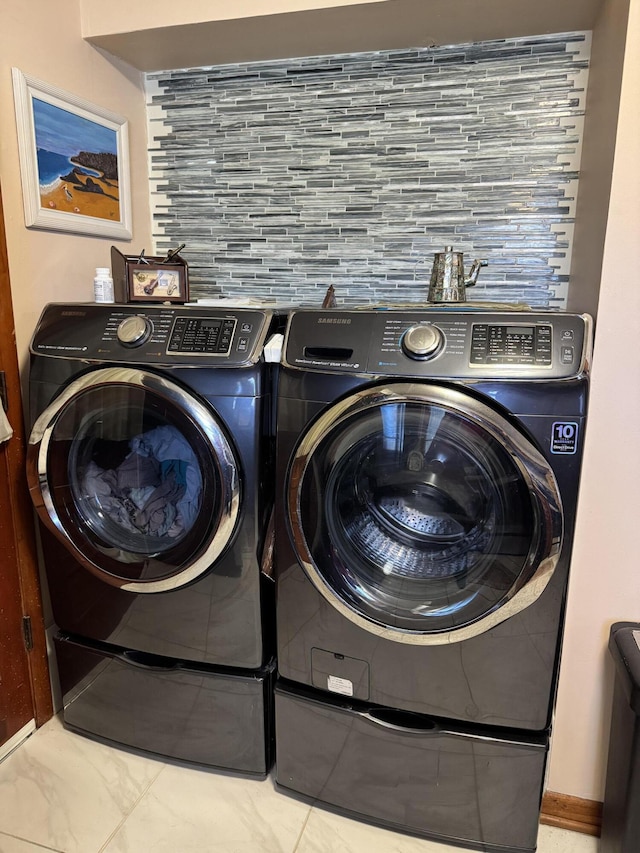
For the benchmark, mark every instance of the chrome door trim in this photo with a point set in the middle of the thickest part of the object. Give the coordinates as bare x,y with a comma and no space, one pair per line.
38,452
535,470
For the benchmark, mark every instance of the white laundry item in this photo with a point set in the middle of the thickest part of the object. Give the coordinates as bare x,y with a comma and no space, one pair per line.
273,348
6,430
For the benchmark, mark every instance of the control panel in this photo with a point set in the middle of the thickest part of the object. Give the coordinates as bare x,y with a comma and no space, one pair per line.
511,344
202,335
436,343
153,335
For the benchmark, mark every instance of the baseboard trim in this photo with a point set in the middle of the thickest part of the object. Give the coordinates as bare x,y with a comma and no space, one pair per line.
572,813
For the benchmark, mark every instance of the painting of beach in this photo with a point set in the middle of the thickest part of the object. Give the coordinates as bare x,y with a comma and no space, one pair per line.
77,163
74,161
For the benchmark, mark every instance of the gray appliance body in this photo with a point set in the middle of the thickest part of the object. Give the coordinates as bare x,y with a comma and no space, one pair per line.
149,461
427,478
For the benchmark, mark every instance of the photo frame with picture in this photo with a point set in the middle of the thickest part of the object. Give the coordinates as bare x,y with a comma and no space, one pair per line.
155,282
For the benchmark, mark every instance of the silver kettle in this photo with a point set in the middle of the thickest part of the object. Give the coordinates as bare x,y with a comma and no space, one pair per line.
448,280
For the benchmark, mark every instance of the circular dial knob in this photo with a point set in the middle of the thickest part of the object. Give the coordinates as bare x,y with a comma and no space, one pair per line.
134,331
422,341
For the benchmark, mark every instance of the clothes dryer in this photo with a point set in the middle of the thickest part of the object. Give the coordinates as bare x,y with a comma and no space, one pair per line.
150,464
428,466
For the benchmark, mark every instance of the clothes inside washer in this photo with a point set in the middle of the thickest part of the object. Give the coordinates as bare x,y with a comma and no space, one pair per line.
155,490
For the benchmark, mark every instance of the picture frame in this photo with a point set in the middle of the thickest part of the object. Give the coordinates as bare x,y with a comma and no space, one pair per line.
74,161
165,277
157,282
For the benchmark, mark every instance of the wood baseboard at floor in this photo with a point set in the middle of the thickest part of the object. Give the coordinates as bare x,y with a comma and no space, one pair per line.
573,813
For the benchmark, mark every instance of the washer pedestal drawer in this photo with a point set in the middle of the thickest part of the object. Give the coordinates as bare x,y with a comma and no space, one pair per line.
410,772
217,717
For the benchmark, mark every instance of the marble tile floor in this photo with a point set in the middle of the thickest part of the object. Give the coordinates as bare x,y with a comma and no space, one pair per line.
63,792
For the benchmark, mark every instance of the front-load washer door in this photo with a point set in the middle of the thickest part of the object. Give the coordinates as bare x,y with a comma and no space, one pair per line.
136,477
422,514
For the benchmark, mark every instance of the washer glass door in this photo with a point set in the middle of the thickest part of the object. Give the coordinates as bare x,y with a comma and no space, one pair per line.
136,477
422,514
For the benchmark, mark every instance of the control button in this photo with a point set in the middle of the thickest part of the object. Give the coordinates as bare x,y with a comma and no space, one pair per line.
243,344
246,328
422,342
566,355
134,331
566,335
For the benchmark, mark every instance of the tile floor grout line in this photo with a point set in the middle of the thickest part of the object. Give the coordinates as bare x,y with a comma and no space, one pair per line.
302,830
33,843
131,810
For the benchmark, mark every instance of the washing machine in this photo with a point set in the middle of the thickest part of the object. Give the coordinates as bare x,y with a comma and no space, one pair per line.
428,465
150,465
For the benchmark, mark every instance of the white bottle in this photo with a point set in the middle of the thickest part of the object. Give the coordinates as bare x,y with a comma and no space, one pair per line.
103,285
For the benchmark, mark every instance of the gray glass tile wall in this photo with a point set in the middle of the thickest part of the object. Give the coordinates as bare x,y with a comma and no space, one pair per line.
285,177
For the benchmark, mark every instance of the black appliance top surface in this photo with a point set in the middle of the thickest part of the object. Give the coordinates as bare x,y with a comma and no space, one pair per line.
456,344
159,334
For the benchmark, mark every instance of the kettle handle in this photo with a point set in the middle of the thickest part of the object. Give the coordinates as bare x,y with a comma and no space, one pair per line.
475,269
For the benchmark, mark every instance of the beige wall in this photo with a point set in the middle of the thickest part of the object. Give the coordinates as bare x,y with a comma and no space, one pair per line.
605,584
43,40
214,32
99,17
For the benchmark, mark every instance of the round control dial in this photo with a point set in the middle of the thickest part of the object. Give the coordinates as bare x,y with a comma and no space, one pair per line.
134,331
422,342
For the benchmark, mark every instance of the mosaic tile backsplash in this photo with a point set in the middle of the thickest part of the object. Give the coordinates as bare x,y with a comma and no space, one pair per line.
285,177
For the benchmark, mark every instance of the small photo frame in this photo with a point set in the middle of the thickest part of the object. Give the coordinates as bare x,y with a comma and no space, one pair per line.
155,282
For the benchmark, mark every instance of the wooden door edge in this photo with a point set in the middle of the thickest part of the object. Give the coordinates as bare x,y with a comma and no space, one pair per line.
22,520
574,813
37,657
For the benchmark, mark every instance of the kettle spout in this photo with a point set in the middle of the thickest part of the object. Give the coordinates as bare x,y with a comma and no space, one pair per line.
473,275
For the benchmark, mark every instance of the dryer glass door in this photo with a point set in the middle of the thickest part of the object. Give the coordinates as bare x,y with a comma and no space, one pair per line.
136,477
423,514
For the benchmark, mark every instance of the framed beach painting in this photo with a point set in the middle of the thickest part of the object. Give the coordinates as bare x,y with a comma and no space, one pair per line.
74,162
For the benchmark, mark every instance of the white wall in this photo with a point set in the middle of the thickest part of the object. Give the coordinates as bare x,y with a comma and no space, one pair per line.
605,581
43,40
